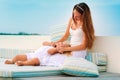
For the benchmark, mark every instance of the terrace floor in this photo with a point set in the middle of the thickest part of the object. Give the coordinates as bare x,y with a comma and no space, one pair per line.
103,76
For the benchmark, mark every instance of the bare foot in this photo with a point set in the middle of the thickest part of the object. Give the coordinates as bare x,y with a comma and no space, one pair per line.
19,63
8,62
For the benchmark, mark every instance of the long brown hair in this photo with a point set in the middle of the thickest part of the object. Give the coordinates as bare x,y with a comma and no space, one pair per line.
88,28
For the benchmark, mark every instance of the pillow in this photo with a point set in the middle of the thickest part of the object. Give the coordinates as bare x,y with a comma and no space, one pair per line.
89,56
57,32
102,68
79,67
10,53
98,58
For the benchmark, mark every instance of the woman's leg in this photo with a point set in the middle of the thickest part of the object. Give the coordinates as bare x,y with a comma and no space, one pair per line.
16,58
32,62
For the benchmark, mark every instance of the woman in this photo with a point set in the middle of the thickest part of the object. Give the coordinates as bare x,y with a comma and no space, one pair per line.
80,27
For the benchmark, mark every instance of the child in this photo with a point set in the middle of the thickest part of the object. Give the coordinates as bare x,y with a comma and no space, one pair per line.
40,57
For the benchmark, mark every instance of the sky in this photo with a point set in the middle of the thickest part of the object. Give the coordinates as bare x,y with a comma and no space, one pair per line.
37,16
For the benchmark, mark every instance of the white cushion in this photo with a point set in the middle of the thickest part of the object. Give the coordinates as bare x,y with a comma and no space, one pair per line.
79,67
57,32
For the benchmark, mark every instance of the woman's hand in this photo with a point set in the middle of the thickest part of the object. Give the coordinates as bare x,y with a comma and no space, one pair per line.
66,45
60,47
62,44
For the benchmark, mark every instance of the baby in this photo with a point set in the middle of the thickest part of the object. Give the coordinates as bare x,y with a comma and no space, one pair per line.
22,60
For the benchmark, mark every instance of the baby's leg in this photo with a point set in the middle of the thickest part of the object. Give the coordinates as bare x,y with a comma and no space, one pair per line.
32,62
16,58
52,51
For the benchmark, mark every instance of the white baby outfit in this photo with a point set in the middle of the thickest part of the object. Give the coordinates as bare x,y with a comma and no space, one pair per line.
45,58
58,59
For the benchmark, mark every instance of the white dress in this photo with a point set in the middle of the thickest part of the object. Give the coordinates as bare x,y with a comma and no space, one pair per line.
45,58
77,36
58,59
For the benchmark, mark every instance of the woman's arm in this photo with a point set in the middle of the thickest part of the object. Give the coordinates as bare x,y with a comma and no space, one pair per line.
66,35
74,48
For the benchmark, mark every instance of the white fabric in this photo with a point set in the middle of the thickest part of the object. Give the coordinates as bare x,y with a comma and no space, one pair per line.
79,67
76,39
79,54
76,36
27,71
57,60
41,54
45,58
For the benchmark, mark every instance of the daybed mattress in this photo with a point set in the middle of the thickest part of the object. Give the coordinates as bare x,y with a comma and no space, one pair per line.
27,71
